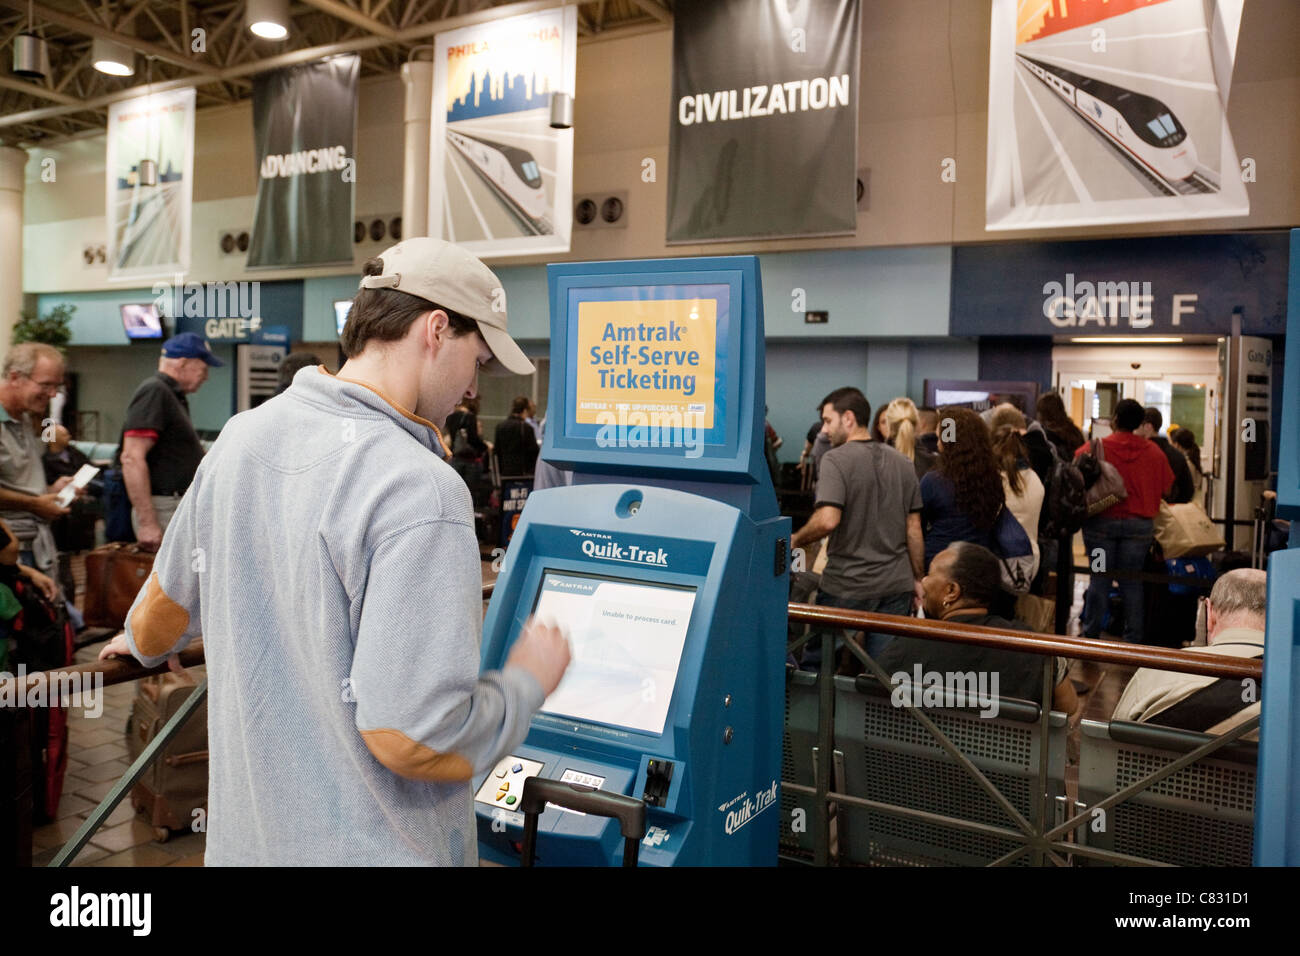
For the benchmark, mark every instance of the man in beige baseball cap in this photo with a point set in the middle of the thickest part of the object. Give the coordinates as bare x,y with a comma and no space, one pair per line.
362,587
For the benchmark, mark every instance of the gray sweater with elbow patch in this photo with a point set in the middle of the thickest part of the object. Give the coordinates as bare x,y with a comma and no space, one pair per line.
326,555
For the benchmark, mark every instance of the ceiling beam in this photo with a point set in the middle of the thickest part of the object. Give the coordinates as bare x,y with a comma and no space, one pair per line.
95,30
655,9
354,17
31,89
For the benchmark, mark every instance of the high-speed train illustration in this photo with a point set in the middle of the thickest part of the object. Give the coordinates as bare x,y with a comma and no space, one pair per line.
1140,126
511,172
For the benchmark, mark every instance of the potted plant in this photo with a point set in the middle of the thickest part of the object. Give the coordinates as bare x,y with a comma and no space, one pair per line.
51,328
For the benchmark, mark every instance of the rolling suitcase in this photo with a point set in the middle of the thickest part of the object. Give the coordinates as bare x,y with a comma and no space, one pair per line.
176,784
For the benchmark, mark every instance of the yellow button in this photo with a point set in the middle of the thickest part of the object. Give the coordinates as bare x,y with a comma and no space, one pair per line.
505,785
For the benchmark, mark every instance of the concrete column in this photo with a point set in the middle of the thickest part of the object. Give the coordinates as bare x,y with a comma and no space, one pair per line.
13,163
417,79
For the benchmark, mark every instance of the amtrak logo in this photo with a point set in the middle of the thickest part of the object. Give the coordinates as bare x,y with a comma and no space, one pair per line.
578,532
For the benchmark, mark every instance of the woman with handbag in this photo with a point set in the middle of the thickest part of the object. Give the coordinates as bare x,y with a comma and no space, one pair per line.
1118,534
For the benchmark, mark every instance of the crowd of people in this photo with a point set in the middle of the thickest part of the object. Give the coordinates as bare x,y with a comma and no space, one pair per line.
960,516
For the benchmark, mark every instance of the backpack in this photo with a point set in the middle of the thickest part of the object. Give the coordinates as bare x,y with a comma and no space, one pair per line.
1065,506
1012,546
44,641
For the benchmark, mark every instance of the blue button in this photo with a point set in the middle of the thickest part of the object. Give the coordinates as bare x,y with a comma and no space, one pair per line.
516,768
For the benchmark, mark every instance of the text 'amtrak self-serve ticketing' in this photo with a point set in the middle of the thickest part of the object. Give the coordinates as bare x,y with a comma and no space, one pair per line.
665,563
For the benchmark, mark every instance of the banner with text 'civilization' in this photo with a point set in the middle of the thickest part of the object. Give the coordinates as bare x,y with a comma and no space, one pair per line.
764,131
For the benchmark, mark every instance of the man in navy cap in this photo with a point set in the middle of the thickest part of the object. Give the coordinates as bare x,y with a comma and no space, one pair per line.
160,449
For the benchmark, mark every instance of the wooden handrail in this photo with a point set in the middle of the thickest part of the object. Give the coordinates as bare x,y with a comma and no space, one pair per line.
1182,660
118,670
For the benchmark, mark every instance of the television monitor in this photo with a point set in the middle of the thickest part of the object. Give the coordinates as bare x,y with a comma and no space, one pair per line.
142,321
626,639
979,396
341,309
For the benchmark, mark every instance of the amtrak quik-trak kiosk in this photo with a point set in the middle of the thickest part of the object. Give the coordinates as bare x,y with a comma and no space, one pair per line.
666,563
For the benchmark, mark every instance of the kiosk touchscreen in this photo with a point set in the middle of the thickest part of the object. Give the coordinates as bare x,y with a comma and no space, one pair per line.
664,562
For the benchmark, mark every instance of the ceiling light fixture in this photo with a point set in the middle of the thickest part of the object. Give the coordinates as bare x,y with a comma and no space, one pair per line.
268,19
113,58
561,111
31,55
1127,339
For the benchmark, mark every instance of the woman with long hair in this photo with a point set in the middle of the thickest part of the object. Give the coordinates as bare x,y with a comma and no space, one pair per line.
1021,486
1062,432
879,429
962,495
901,426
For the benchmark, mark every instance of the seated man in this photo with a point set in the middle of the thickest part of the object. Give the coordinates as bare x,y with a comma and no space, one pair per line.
1234,621
964,580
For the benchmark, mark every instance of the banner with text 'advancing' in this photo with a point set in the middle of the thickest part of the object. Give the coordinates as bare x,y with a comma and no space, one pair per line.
304,127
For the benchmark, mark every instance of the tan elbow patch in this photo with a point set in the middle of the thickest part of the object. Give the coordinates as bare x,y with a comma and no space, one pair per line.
157,622
406,758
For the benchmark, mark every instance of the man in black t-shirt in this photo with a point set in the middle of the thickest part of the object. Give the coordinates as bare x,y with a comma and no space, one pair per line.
160,450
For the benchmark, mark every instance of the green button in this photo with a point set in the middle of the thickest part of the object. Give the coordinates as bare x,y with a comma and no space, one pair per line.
510,800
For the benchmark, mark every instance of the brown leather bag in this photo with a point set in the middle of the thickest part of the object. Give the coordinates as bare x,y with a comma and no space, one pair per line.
114,575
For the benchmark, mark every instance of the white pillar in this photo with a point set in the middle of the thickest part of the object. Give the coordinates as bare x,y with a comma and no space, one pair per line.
417,78
13,163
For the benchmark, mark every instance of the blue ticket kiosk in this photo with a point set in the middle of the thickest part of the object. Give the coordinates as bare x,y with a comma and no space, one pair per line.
666,562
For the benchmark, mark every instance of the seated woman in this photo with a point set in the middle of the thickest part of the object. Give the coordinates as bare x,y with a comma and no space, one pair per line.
962,496
964,581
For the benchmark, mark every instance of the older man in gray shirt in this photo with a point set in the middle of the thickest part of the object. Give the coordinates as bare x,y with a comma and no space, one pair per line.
32,373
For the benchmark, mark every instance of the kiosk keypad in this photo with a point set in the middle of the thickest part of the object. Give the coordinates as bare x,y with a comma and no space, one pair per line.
504,786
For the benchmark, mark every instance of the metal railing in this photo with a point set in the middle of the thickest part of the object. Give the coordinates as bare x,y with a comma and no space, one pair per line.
1042,841
1033,833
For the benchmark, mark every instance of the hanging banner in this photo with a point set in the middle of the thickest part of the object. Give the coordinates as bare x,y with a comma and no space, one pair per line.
764,132
1108,112
149,225
500,179
304,129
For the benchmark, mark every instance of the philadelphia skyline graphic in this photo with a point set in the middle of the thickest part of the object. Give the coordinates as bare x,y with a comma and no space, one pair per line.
522,91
